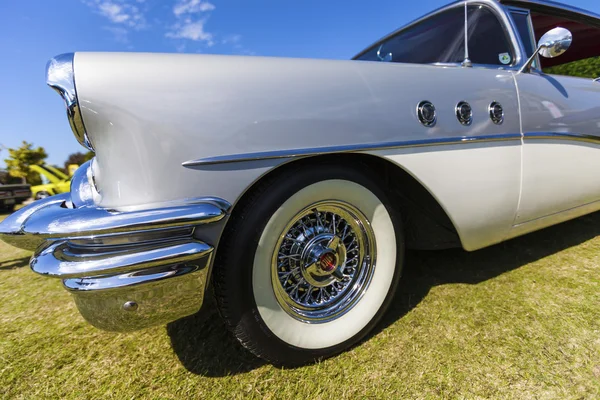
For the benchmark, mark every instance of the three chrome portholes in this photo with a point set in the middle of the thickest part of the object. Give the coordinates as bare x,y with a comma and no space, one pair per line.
464,113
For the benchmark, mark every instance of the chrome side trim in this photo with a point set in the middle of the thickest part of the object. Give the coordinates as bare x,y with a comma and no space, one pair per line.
60,76
577,137
354,148
351,148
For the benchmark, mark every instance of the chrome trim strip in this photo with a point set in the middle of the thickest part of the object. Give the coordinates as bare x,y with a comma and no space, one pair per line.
351,148
63,260
577,137
354,148
60,76
91,285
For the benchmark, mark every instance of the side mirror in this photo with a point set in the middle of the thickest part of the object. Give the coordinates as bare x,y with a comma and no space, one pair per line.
554,43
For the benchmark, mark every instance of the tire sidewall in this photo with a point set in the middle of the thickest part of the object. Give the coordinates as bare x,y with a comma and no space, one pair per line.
235,288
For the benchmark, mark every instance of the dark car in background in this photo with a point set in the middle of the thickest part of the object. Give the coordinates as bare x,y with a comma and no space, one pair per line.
11,195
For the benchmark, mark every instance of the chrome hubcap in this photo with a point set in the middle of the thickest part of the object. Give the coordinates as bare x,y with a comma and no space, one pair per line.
323,261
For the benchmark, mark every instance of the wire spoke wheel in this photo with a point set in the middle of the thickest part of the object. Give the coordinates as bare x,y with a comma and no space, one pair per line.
309,265
323,261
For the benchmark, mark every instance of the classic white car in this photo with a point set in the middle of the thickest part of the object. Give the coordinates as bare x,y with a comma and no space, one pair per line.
293,186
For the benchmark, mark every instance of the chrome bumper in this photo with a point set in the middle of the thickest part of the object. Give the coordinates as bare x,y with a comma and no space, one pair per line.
126,270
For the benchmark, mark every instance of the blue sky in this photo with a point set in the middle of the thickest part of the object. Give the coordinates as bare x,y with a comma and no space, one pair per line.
31,32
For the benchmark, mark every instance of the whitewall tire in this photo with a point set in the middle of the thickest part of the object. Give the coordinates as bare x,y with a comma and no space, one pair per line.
308,265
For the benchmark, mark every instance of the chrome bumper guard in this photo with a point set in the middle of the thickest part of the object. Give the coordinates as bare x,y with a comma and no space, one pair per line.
126,270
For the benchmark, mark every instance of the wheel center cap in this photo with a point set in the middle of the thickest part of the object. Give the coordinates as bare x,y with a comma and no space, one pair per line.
328,261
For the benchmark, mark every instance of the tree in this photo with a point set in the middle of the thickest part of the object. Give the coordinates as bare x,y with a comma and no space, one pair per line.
586,68
77,158
21,158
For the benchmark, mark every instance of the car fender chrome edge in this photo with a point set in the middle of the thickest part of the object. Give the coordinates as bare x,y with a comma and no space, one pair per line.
316,151
352,148
110,259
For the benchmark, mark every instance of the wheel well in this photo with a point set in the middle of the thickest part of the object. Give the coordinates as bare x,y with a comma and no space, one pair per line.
426,224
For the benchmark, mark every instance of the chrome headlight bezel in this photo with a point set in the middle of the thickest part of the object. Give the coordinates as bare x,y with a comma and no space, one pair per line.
60,76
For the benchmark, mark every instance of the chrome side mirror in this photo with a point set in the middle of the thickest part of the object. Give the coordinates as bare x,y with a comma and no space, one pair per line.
554,43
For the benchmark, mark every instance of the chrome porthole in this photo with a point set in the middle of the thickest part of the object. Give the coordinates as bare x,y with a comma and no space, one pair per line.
323,262
426,113
496,112
464,113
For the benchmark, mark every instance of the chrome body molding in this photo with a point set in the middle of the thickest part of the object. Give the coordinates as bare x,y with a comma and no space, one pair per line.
563,136
60,76
294,153
308,152
109,258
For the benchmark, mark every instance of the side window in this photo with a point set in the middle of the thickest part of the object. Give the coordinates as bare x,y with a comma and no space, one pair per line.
437,39
440,39
488,41
521,20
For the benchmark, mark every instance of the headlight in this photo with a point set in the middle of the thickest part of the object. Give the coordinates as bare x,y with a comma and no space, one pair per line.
60,76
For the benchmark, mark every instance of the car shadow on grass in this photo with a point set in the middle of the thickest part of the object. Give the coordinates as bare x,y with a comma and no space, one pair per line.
14,263
205,347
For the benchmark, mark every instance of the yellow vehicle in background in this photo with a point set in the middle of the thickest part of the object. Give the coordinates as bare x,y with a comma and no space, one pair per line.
54,181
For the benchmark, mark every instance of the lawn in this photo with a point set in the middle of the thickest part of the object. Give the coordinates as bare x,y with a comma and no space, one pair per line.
518,320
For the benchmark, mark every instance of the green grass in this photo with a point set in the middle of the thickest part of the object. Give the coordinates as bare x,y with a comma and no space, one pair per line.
518,320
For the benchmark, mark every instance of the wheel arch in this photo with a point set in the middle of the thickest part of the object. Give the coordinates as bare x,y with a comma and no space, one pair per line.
427,224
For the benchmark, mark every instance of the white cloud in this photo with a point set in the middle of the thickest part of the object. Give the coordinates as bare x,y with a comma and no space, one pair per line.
192,30
120,34
113,11
232,39
119,12
191,7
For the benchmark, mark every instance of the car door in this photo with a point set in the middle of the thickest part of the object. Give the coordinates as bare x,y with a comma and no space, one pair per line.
561,152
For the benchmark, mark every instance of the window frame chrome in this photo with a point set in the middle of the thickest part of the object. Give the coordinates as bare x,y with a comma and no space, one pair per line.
519,10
